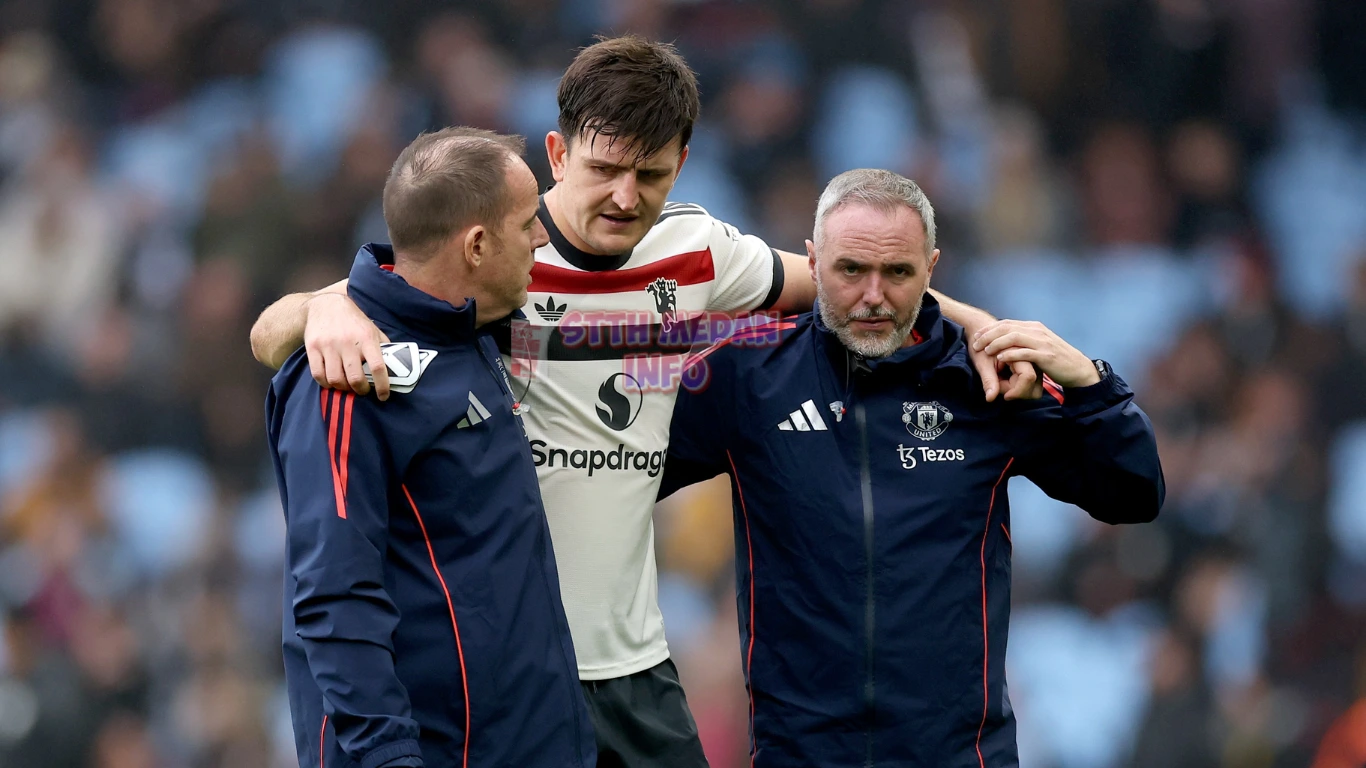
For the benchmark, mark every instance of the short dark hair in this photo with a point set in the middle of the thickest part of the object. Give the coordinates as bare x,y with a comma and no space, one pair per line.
446,181
632,89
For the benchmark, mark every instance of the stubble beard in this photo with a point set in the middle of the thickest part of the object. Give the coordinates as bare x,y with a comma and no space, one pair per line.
868,345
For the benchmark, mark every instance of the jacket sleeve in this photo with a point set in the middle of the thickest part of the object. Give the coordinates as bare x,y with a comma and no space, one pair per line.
337,475
1095,449
699,434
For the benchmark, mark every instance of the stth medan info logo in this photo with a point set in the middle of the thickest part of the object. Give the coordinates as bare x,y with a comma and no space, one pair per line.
619,407
925,420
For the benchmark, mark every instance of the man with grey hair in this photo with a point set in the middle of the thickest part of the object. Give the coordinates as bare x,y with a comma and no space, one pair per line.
873,552
874,330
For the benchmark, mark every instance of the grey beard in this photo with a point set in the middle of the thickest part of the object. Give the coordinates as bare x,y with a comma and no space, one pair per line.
872,348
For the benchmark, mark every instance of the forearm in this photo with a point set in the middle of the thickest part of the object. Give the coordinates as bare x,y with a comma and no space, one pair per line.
280,328
346,629
965,315
1103,457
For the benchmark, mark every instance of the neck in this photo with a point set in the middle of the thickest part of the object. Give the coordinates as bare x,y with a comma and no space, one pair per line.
552,204
437,279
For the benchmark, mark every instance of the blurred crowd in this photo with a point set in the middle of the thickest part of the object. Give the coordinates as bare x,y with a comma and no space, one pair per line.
1178,186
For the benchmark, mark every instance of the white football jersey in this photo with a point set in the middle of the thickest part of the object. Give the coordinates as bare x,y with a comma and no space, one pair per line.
596,368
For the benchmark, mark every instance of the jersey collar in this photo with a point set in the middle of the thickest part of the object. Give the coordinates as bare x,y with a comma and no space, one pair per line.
588,262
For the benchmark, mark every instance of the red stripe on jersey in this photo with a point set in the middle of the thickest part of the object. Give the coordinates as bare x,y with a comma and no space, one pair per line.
687,268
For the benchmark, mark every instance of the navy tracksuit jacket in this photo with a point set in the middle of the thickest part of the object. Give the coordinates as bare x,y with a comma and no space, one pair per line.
423,623
872,533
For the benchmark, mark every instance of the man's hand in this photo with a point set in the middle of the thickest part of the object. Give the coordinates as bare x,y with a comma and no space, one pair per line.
338,338
1013,341
1024,382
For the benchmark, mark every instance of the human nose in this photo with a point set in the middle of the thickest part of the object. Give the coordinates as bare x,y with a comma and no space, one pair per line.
625,194
872,290
539,236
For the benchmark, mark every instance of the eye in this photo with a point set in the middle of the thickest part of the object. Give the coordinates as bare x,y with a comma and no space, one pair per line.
850,269
901,272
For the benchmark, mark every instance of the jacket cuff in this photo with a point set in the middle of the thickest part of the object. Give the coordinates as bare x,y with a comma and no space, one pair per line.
380,757
1083,401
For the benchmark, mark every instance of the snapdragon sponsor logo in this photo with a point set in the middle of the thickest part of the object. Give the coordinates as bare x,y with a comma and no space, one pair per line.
597,460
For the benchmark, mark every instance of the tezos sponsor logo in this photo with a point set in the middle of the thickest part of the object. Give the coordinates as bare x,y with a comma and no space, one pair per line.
908,456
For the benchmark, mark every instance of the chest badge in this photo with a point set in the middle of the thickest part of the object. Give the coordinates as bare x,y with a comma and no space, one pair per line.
925,420
665,293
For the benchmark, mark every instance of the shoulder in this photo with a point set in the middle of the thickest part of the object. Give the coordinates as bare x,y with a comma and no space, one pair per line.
684,219
680,210
442,387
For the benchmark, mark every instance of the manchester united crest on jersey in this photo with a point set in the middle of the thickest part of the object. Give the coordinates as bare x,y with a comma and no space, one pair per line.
925,420
665,293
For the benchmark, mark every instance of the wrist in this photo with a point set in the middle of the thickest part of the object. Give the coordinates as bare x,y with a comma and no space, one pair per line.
316,295
1089,376
324,294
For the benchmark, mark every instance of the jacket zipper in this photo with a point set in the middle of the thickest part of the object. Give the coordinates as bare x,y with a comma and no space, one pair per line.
869,613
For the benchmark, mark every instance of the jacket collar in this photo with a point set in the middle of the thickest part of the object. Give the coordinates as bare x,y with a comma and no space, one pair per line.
941,350
388,299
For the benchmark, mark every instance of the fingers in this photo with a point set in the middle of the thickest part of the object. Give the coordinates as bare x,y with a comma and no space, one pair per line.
355,374
341,341
990,333
370,350
1024,383
1007,340
317,366
991,380
335,377
1000,328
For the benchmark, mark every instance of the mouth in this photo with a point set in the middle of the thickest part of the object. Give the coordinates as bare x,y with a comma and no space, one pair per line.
871,325
617,221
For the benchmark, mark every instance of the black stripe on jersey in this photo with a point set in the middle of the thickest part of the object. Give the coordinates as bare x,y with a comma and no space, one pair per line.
776,288
680,212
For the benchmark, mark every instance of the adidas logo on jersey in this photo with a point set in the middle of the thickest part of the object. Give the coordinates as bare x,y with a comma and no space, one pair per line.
804,419
475,414
550,311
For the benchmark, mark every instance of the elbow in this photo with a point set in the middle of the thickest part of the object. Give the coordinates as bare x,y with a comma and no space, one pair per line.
1147,511
261,349
1132,503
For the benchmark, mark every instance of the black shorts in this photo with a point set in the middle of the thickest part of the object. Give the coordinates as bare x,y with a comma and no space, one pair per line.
643,721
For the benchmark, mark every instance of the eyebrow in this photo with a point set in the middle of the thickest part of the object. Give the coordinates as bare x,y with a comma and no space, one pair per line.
631,166
850,261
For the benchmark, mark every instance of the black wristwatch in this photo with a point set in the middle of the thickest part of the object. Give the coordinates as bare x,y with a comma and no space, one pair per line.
1103,368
